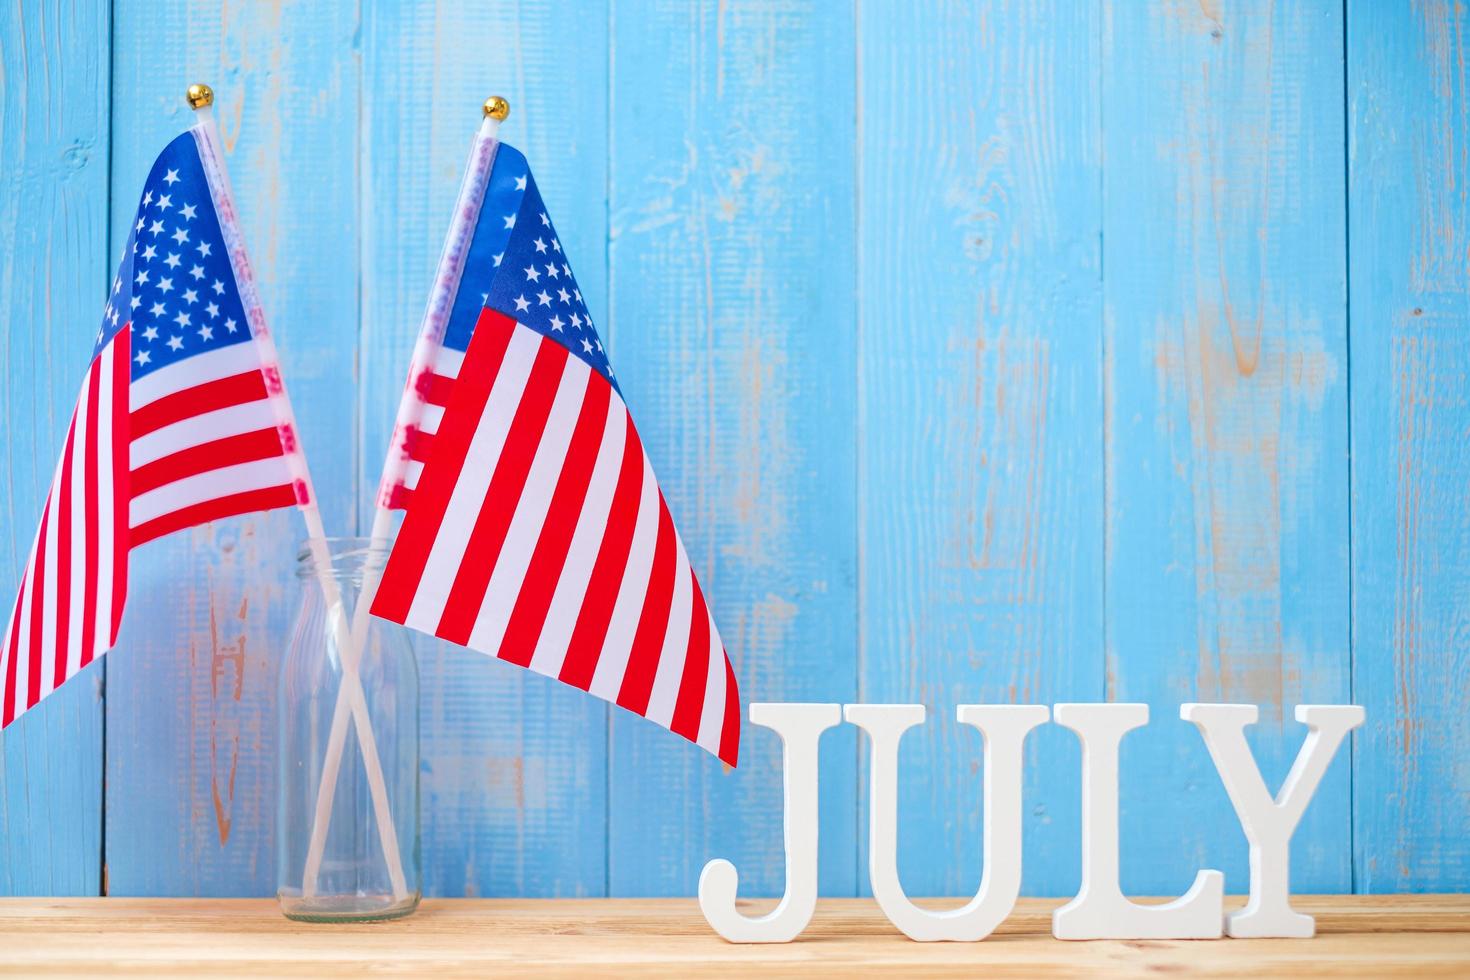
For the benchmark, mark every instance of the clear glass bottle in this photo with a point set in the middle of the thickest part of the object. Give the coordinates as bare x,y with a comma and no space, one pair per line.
336,859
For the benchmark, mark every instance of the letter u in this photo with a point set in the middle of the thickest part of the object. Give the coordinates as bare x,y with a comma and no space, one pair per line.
1004,728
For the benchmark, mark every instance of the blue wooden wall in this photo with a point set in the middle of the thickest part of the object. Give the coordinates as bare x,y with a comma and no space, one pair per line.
1025,351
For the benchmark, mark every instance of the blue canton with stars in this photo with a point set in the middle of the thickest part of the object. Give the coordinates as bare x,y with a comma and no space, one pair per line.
175,284
516,266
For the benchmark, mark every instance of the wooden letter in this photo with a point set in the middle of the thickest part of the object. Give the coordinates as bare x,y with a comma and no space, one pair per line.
1268,823
1100,911
800,727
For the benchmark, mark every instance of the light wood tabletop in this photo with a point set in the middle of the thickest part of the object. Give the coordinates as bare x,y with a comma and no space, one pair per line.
1409,935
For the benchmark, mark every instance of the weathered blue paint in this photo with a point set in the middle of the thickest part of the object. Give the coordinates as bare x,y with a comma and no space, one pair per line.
733,329
992,352
979,401
1226,420
191,687
1410,235
514,764
54,267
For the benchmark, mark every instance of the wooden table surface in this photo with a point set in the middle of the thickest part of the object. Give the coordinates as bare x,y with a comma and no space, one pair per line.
1418,935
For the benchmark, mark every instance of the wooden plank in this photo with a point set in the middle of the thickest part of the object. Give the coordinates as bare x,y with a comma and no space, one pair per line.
980,397
514,764
1421,936
191,731
55,267
731,326
1226,435
1410,229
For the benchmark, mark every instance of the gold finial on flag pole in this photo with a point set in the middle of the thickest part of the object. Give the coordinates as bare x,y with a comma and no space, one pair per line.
200,96
497,108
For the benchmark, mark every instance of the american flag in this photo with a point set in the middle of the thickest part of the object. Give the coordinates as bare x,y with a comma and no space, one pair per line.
535,530
181,419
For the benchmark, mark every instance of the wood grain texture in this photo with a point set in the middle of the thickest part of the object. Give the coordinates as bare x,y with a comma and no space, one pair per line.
980,468
55,266
1226,425
1410,231
1411,936
732,331
190,797
514,764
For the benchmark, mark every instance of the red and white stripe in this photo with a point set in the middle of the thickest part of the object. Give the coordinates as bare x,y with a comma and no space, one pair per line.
538,535
70,599
424,404
189,443
207,443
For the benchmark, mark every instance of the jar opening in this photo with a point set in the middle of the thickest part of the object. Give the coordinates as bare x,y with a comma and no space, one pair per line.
344,556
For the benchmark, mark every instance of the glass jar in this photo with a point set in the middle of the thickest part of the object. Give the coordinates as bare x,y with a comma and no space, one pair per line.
347,845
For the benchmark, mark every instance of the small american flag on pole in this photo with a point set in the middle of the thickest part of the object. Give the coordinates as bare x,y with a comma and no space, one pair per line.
182,419
535,530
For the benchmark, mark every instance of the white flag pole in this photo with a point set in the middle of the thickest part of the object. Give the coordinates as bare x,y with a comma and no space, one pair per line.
206,134
410,412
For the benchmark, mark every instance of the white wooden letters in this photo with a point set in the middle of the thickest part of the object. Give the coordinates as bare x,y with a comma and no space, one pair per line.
1100,910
